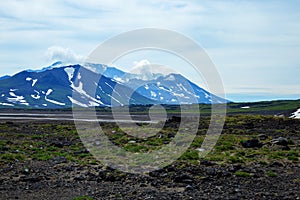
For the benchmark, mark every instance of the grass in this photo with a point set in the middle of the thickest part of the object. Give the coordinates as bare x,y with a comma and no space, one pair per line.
190,156
271,174
12,157
293,158
242,174
35,141
38,145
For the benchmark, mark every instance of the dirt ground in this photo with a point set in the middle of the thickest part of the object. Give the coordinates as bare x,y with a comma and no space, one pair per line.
61,178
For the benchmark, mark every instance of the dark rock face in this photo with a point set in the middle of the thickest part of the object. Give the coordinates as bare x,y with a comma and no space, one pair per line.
251,143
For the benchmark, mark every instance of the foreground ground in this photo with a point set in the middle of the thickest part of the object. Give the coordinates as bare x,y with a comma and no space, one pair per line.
46,160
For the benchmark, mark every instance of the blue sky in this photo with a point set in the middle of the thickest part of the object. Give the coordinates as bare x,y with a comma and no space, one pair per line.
255,45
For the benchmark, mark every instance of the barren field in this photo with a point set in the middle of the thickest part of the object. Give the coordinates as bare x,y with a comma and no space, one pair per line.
256,157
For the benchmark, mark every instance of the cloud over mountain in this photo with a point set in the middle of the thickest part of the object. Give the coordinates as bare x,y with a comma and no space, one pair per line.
146,70
66,55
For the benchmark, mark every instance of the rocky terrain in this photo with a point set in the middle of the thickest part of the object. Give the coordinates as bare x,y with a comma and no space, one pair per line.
257,157
59,179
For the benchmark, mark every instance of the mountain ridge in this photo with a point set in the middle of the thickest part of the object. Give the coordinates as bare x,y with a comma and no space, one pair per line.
60,86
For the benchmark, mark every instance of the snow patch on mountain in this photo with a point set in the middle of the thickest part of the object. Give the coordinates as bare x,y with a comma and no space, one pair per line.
115,91
115,99
187,91
153,94
77,102
79,88
6,104
49,91
36,96
170,78
97,68
81,91
178,95
296,114
165,89
119,80
16,99
92,103
51,100
109,85
33,81
245,107
70,72
14,95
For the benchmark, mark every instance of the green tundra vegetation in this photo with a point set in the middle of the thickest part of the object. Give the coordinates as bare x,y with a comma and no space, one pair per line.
45,141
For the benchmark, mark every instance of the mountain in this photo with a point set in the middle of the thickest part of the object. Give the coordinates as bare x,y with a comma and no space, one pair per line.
4,77
61,86
54,65
105,70
170,89
173,89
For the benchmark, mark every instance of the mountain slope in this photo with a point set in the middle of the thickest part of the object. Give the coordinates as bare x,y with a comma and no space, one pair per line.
169,89
4,77
59,86
174,89
62,86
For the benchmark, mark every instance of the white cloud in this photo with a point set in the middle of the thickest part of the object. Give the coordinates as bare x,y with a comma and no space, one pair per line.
66,55
148,71
141,63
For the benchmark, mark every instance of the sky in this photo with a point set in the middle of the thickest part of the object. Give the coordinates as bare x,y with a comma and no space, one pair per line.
255,45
